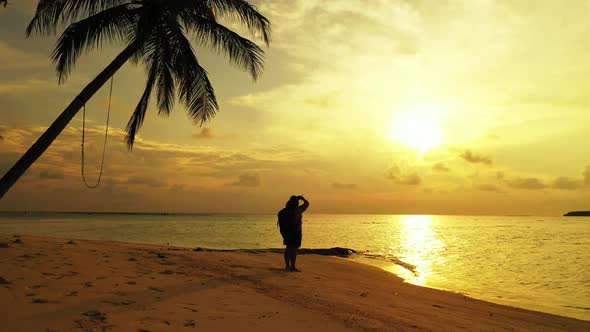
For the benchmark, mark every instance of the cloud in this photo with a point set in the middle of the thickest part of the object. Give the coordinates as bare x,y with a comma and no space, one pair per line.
408,179
146,181
472,157
177,187
247,180
51,174
205,133
345,186
27,61
488,187
566,183
526,183
152,163
586,175
492,136
326,101
440,167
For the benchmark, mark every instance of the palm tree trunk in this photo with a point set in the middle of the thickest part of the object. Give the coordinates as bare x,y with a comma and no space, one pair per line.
62,121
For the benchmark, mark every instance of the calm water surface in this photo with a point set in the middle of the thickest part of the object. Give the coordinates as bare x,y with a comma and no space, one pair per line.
538,263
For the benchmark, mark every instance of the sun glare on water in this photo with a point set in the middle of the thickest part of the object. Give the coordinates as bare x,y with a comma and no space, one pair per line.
417,127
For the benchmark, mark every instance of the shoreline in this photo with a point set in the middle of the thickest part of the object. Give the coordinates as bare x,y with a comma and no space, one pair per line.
56,284
407,275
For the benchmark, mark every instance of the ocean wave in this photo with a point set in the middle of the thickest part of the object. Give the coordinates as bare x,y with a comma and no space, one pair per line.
336,251
410,267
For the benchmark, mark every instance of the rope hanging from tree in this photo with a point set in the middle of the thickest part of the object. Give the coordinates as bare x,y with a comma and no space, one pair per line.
104,148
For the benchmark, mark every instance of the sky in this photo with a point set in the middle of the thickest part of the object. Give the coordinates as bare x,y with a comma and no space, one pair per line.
389,107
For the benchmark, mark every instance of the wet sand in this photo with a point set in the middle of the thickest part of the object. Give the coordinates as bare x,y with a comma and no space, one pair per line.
50,284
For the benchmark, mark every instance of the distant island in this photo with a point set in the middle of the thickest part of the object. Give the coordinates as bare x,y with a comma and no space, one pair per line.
577,214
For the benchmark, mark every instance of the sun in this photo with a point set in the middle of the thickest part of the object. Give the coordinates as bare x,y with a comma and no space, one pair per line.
418,127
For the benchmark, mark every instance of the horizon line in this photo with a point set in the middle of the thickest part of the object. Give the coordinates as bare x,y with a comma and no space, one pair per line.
253,213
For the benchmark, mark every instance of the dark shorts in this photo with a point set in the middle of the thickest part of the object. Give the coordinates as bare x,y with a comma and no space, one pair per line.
292,239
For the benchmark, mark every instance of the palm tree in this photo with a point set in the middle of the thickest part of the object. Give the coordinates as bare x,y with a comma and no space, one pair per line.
156,33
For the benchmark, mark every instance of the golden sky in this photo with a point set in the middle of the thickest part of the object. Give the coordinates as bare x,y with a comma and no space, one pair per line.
374,106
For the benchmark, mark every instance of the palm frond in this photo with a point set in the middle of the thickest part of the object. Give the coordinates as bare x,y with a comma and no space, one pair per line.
166,87
138,115
241,52
199,95
144,29
194,88
246,13
115,23
52,14
165,55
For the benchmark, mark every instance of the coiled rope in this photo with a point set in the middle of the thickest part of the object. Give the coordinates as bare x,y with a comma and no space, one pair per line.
104,148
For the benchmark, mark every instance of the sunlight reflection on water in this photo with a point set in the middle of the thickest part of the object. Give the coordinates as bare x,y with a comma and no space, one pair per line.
421,246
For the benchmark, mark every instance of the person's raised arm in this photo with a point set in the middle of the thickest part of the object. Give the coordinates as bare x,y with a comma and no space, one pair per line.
305,204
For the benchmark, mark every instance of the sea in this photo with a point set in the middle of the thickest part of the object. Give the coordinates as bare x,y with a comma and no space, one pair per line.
537,263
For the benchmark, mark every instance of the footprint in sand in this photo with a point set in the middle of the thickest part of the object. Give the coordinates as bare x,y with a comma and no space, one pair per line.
40,301
95,315
189,323
117,303
155,320
188,308
92,325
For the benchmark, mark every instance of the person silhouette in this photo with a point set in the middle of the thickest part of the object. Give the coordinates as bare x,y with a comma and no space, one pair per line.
290,223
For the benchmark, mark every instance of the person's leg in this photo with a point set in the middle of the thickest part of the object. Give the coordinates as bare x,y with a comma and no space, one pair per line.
293,258
297,239
287,258
290,252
